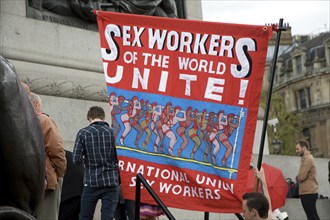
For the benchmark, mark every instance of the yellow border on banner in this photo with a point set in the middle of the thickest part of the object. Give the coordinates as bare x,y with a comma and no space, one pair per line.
230,170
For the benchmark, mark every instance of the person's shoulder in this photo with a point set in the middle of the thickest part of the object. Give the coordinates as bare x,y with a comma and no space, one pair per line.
44,117
85,129
309,158
105,127
46,120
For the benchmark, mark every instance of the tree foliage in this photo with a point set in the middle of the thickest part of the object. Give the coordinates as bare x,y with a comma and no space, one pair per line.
289,124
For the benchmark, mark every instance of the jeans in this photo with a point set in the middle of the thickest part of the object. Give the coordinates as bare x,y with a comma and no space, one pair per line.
308,202
89,198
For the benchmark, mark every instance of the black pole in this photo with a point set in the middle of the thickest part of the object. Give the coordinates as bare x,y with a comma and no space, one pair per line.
137,198
100,6
206,215
239,216
269,95
140,179
184,9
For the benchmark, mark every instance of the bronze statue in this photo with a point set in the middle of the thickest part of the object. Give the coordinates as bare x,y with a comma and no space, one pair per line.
83,8
22,165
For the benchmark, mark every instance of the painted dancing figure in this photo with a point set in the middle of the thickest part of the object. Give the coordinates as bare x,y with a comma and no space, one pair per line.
156,112
222,121
224,137
164,127
193,133
131,111
181,130
176,119
112,100
116,110
206,125
134,121
145,123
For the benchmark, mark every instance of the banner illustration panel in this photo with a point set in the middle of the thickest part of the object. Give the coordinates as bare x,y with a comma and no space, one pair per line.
184,99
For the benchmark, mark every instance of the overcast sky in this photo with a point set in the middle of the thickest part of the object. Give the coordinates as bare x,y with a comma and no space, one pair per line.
304,17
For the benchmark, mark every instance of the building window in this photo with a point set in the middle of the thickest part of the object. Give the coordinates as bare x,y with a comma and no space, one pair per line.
303,98
281,76
298,65
318,96
307,135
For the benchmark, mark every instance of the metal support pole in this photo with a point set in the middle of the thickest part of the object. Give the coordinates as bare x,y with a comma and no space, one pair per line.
206,215
140,179
137,198
100,5
279,30
239,216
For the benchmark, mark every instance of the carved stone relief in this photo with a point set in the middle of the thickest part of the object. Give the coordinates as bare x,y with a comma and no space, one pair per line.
67,89
78,13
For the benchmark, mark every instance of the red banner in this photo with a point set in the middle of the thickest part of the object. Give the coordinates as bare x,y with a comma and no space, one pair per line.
184,99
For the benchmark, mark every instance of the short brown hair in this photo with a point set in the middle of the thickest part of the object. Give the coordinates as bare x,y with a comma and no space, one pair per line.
95,112
303,143
257,201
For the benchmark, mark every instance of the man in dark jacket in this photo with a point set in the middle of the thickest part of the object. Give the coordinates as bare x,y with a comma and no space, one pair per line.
71,190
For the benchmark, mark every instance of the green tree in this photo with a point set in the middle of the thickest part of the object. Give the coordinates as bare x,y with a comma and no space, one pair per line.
289,124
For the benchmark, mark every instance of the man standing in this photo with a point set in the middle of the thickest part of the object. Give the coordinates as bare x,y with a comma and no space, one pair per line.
71,190
55,162
95,148
308,186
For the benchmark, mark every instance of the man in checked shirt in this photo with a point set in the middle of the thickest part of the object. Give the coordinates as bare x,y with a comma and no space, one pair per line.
95,148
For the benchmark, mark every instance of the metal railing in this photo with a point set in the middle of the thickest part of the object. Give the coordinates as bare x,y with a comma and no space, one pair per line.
140,179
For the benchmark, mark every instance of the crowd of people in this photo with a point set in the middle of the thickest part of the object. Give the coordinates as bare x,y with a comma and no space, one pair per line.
75,181
55,161
91,174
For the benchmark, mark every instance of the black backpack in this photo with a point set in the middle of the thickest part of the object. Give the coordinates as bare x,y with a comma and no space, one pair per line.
293,188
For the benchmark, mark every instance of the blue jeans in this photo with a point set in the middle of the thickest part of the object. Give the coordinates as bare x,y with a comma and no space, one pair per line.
89,198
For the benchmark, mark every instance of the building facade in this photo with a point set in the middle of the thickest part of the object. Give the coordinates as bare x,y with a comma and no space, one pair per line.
302,78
